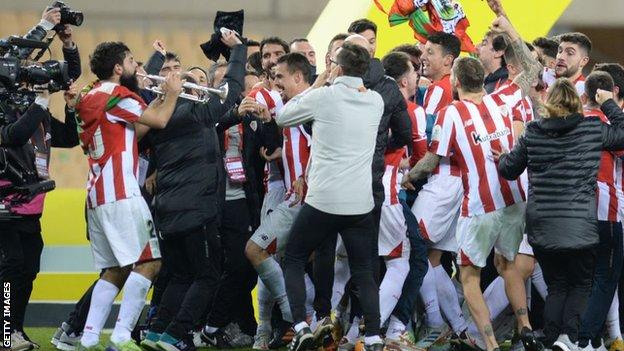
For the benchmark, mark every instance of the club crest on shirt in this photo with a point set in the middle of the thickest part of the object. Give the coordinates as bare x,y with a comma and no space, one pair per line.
435,133
253,125
484,138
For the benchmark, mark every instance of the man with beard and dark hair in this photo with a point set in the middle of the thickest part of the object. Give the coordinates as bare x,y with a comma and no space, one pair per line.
111,118
572,56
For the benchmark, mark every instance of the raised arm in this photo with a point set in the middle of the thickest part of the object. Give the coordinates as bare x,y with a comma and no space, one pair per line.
300,109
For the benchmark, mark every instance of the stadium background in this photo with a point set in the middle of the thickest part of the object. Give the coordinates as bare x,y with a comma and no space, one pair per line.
66,266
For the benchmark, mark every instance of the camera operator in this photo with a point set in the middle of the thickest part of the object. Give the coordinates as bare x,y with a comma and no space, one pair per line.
187,207
28,139
51,20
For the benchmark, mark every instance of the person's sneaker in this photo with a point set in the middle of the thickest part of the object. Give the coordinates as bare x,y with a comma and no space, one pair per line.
282,335
218,339
617,345
345,345
97,347
128,345
68,342
516,343
169,343
377,346
433,335
564,343
19,343
57,334
303,340
34,345
150,341
529,340
261,341
405,342
232,330
323,330
242,340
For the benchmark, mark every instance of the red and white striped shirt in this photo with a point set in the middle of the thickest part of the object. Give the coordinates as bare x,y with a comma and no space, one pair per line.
113,155
438,96
472,132
295,153
419,136
609,178
391,180
522,107
549,77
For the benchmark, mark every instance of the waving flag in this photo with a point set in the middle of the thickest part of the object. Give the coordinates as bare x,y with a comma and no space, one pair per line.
428,16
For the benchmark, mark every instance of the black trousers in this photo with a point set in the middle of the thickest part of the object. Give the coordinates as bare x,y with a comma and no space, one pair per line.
568,276
20,253
312,228
194,262
233,302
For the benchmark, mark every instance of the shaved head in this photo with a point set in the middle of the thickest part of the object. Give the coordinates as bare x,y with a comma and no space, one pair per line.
361,41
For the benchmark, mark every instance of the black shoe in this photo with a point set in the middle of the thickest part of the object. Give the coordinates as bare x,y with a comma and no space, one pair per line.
282,335
323,331
303,340
218,339
530,341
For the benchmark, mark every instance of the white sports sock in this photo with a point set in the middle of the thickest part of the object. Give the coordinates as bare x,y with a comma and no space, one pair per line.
342,274
495,297
537,278
392,285
300,326
429,297
309,304
273,278
449,301
135,292
102,299
368,340
613,319
265,306
354,330
395,328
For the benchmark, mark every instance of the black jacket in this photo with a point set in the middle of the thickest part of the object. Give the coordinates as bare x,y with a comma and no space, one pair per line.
395,120
562,156
187,157
496,79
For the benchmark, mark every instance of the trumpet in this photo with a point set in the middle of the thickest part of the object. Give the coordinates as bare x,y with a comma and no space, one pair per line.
221,92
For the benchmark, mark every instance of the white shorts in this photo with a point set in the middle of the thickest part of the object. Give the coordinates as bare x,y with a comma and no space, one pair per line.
436,208
501,229
525,247
273,197
274,230
393,232
122,233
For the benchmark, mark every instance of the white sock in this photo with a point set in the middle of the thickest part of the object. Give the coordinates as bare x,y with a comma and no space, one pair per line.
395,328
537,278
265,306
368,340
495,297
309,303
102,299
392,285
354,330
132,304
449,301
342,274
300,326
613,319
429,297
273,278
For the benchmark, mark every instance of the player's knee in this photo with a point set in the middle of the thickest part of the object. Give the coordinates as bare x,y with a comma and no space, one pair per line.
149,269
255,254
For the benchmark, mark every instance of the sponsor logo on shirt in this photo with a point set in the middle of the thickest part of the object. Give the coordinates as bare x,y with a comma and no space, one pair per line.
480,138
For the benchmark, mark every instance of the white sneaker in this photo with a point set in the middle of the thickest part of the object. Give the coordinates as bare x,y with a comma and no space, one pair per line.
19,343
68,342
564,343
198,341
261,341
57,334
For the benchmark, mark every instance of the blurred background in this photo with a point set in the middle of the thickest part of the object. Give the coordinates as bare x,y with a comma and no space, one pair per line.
67,267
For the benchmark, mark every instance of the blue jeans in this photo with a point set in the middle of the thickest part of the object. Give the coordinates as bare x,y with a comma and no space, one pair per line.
606,277
418,265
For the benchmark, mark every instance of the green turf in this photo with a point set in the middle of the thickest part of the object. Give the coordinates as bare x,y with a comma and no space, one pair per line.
42,336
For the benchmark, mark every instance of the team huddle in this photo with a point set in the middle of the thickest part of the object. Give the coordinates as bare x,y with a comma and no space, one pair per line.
452,196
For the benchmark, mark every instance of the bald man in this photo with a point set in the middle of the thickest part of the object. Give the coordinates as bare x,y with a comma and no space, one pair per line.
361,41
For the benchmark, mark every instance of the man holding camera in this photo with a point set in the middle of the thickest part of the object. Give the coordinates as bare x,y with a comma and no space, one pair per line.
111,118
27,132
